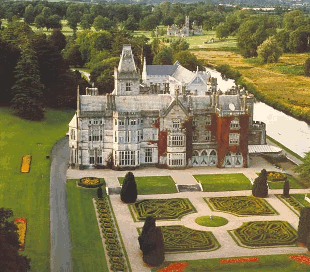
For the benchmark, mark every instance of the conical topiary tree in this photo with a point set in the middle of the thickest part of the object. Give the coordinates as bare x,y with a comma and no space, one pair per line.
286,188
304,225
260,186
129,189
99,192
152,243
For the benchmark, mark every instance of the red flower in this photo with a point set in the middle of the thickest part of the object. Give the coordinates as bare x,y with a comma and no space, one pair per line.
239,260
301,259
174,267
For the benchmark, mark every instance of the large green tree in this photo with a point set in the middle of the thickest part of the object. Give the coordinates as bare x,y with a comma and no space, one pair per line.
188,60
28,89
164,57
251,34
303,169
74,15
10,260
269,51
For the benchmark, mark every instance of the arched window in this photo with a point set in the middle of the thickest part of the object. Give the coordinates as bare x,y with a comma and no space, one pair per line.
238,159
228,159
213,158
204,158
195,158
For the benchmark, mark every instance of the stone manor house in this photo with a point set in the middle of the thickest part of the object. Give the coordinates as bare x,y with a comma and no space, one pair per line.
170,117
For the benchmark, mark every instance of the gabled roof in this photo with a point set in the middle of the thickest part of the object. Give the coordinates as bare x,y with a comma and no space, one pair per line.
182,74
173,103
73,121
161,70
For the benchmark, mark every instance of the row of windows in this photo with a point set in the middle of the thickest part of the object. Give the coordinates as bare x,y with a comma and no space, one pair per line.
207,136
95,122
176,141
207,118
126,158
132,122
95,138
92,160
234,138
176,159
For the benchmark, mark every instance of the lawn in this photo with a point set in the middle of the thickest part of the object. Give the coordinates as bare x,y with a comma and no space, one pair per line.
154,185
224,182
294,184
27,194
87,248
277,83
279,263
214,221
301,199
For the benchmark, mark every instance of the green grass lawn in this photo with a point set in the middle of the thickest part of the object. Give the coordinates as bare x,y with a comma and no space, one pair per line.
27,194
279,263
224,182
87,248
294,184
154,185
301,199
206,221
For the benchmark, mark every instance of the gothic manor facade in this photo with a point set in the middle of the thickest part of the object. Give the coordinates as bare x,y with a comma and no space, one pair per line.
170,117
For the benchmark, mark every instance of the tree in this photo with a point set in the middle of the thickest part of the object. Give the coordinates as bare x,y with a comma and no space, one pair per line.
286,188
283,38
149,22
269,51
303,169
251,34
102,23
29,14
179,44
73,55
222,31
307,67
53,21
99,192
299,40
86,21
294,19
188,60
164,57
304,225
152,243
28,89
74,15
40,21
129,189
58,39
260,186
10,260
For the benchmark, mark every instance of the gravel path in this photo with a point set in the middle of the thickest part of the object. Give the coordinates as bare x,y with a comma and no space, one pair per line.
61,260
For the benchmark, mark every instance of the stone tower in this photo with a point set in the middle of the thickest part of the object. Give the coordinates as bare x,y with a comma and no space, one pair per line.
126,77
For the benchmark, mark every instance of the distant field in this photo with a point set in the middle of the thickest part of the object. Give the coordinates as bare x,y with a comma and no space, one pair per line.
279,83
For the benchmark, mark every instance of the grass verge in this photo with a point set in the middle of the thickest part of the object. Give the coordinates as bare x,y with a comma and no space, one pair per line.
87,250
301,199
278,263
224,182
154,185
285,148
27,194
294,184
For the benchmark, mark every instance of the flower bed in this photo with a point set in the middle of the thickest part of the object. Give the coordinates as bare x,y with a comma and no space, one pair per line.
109,232
26,161
301,259
91,182
276,176
21,224
239,260
174,267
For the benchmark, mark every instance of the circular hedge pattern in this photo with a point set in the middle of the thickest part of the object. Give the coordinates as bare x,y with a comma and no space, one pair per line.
266,233
91,182
240,205
215,221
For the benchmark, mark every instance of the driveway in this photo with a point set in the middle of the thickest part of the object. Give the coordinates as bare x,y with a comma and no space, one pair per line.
61,260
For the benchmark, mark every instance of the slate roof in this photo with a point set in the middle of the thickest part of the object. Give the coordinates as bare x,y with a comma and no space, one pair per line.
93,103
263,149
160,70
201,102
225,100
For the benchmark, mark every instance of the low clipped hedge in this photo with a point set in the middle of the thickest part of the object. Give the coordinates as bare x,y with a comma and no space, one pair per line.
276,176
91,182
109,232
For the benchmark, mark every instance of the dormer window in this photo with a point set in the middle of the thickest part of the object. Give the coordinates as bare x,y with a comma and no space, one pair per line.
128,86
176,123
234,124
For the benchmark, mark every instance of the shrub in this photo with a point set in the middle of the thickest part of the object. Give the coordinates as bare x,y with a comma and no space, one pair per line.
307,67
99,192
286,188
129,189
260,187
304,225
269,51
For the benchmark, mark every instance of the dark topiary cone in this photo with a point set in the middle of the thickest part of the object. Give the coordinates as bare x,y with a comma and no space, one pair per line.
99,192
148,225
304,225
129,189
156,256
260,186
286,189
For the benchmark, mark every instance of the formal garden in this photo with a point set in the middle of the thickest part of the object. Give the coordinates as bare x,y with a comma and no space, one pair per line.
162,228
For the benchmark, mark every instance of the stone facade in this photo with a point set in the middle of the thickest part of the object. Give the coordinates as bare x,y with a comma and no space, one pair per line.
163,121
184,31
